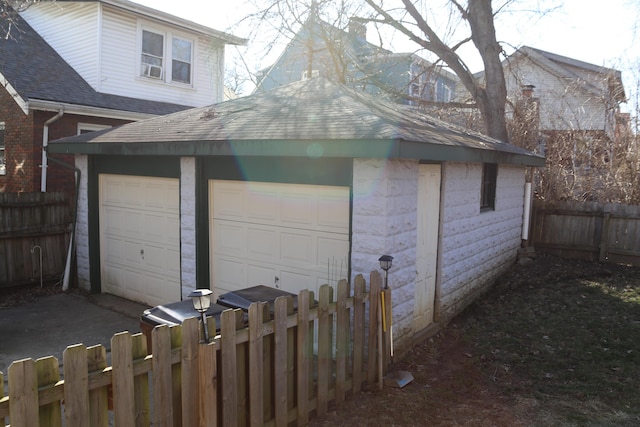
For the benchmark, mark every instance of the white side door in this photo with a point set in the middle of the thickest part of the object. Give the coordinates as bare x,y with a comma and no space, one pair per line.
427,244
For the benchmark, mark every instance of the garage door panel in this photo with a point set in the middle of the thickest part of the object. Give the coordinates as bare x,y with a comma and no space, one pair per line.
296,248
139,235
297,233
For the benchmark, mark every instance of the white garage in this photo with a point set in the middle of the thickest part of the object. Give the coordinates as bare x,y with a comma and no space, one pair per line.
140,238
290,236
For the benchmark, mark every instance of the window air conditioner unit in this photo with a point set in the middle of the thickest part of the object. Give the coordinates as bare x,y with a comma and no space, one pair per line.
314,73
153,71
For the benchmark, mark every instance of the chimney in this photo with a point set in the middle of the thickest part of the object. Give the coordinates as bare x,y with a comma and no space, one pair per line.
358,27
527,90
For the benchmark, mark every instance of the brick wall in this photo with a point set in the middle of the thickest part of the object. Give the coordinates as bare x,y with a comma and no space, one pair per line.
19,150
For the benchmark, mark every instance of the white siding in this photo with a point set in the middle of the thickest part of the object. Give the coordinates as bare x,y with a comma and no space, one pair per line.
72,30
476,246
121,62
564,104
101,44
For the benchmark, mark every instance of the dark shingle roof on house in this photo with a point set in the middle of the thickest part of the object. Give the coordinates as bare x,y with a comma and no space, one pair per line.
37,72
311,117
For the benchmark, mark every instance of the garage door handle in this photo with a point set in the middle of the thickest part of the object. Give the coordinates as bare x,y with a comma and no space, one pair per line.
275,281
142,253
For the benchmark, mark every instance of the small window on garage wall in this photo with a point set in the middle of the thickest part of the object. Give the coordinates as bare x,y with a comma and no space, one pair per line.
488,189
3,162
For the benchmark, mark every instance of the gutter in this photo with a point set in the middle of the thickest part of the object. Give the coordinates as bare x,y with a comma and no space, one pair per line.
45,143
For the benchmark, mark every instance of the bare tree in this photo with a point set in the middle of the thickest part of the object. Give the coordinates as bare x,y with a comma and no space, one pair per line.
471,21
8,11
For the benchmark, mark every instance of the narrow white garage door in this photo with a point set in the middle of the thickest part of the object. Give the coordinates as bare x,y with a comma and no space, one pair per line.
140,238
287,236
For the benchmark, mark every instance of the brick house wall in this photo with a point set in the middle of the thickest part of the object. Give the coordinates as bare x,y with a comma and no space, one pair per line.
23,147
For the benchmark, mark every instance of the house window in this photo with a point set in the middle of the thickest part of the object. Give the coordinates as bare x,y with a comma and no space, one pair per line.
488,188
152,55
181,64
3,163
160,49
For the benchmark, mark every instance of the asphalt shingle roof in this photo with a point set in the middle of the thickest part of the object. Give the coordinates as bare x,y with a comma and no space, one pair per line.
299,113
36,71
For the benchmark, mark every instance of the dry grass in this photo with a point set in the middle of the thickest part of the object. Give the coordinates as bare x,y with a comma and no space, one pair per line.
555,343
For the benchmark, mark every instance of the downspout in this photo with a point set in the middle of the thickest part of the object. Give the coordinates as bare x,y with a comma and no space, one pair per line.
67,267
45,143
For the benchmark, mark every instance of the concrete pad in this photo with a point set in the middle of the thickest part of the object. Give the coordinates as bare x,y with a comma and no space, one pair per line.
54,322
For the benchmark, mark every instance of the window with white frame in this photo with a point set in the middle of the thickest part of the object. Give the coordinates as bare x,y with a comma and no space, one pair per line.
166,57
3,163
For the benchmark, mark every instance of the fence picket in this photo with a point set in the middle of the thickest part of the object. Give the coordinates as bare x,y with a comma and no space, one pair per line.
123,386
342,340
374,297
228,355
325,327
256,364
99,397
358,332
23,393
161,362
190,395
268,368
76,390
303,358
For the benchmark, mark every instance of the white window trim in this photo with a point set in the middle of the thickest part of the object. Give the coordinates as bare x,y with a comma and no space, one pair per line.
167,59
91,127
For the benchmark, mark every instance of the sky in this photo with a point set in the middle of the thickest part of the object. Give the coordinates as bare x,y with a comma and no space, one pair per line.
594,31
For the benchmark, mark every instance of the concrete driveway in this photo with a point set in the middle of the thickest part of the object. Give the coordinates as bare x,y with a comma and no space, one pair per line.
54,322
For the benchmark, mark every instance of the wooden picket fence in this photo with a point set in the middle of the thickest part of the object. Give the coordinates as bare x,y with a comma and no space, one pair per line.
261,370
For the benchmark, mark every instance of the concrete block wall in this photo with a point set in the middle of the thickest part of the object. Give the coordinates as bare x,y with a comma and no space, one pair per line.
187,225
384,222
82,225
476,247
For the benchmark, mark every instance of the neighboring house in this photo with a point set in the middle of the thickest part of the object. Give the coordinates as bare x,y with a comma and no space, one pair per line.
295,187
70,67
320,49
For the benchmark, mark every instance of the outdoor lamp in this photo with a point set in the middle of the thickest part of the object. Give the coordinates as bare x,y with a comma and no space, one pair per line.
385,264
201,299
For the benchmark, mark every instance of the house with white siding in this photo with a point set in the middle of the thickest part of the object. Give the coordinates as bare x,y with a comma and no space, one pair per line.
69,67
295,187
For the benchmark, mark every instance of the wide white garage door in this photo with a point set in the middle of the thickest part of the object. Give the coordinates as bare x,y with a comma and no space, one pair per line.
140,238
287,236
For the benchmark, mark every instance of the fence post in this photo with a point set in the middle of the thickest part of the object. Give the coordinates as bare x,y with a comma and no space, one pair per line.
228,353
283,366
208,385
161,363
373,358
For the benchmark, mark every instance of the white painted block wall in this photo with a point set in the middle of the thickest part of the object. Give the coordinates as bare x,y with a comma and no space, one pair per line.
82,226
187,225
475,247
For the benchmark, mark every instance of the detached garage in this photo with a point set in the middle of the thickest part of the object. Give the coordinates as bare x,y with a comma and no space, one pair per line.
300,186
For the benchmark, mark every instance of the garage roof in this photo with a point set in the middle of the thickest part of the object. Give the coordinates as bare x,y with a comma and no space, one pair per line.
315,117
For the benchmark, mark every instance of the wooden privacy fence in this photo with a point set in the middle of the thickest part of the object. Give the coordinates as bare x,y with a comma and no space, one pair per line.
604,232
269,372
34,235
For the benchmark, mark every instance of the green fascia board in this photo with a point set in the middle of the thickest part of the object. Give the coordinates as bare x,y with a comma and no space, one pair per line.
312,149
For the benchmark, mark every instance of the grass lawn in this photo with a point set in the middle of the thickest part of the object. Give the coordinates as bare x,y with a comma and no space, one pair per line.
552,343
